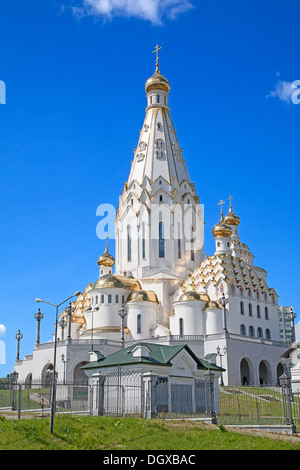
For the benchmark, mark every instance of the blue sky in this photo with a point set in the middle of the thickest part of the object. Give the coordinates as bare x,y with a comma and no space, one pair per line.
75,72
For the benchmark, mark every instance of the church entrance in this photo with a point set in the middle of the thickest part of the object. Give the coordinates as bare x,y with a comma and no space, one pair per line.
245,372
264,373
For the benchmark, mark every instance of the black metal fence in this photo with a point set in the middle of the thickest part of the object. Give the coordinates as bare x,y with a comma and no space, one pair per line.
124,394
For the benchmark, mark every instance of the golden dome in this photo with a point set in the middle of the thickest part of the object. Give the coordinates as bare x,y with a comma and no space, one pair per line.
212,305
142,296
157,82
106,259
222,229
115,281
231,218
191,295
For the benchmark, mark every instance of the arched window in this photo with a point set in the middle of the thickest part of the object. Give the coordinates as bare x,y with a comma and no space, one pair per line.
109,298
139,323
161,247
128,243
242,308
117,299
266,313
181,326
268,334
251,331
243,330
259,332
102,299
158,98
258,311
250,310
123,299
160,198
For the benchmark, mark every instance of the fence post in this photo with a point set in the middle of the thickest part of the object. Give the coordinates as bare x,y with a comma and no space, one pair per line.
149,379
97,381
210,396
19,403
285,383
13,387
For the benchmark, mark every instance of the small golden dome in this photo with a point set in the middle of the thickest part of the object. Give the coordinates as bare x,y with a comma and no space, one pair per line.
231,218
221,229
106,259
157,82
116,281
212,305
191,295
142,296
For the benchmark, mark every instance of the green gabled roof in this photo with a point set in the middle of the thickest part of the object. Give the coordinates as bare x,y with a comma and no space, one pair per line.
159,354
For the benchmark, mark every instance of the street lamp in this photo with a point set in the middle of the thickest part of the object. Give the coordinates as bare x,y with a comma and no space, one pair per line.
292,315
54,359
220,356
90,309
65,362
122,314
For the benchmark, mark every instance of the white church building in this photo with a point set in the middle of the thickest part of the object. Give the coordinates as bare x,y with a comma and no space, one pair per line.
220,305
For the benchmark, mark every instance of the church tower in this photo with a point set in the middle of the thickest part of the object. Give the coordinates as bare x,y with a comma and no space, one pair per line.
159,222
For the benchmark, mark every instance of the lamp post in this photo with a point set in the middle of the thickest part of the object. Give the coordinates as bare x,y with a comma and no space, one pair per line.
54,359
62,324
19,336
39,316
65,361
223,301
220,356
122,314
292,315
90,309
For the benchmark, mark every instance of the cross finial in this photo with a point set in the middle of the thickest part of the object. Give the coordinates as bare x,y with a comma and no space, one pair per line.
221,204
230,199
106,242
157,48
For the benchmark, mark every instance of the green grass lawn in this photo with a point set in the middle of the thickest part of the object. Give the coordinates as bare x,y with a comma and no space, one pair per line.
105,433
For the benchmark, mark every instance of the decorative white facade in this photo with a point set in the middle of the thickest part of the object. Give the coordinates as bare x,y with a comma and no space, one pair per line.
171,294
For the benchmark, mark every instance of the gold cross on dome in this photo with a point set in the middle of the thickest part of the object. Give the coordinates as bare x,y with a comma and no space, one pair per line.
157,48
230,199
221,204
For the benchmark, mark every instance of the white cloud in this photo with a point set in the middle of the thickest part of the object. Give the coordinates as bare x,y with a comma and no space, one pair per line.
283,90
2,330
150,10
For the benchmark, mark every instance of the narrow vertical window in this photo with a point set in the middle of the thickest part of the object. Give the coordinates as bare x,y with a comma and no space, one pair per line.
258,311
179,243
102,299
109,299
250,310
266,313
242,308
158,98
139,323
192,244
180,326
161,248
143,242
117,299
128,243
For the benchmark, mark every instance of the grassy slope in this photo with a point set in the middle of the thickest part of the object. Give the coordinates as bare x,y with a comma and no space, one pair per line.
104,433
